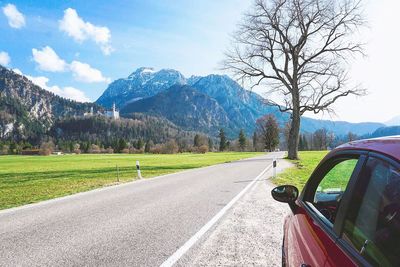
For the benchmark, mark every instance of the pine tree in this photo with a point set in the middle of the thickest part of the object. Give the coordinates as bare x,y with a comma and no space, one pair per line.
255,141
301,144
140,144
196,140
210,144
121,145
148,146
242,140
305,143
222,140
268,130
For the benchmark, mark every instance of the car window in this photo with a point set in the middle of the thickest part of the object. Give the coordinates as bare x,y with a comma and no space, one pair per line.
372,224
329,192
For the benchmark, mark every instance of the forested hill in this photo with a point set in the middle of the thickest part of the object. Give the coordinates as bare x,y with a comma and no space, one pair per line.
106,131
28,111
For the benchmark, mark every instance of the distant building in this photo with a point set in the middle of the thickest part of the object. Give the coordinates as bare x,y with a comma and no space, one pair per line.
112,113
89,114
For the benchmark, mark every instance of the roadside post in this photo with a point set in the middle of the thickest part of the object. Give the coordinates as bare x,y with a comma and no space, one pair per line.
274,166
138,169
117,172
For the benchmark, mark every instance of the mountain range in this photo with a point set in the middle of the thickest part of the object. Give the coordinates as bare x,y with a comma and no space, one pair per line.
205,103
166,98
394,121
31,114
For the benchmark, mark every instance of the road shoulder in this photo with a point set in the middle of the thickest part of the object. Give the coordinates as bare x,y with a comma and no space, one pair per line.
250,234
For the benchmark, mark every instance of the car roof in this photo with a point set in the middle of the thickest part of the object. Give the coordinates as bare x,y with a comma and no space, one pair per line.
389,145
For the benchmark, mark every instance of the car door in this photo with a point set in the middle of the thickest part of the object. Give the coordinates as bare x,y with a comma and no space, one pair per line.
371,225
310,233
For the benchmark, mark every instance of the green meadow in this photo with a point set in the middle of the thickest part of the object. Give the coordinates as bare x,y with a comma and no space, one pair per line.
29,179
299,174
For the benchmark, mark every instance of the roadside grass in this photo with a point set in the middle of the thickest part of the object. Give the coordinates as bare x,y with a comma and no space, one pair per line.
299,174
29,179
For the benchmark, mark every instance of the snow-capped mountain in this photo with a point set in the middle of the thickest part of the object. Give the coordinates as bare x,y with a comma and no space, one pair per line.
242,107
142,83
394,121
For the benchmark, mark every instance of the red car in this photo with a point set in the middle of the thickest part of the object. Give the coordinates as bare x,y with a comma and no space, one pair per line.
348,213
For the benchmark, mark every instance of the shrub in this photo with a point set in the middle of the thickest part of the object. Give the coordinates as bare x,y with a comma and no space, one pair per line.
94,149
170,147
4,150
156,149
109,150
46,148
203,149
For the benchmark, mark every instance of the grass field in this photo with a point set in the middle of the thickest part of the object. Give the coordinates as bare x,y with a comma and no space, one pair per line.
29,179
299,174
336,178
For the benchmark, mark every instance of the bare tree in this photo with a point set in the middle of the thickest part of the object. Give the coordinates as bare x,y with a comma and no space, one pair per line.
299,49
320,139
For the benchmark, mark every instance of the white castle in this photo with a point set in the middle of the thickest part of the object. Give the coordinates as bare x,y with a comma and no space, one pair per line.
114,113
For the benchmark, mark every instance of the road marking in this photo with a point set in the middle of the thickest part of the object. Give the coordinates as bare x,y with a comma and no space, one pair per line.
182,250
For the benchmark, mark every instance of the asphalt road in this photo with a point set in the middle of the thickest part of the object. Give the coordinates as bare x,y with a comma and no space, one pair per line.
135,224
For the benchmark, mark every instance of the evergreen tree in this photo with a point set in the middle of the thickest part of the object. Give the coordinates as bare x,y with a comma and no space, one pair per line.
210,144
147,147
242,140
268,130
301,144
305,143
140,144
121,145
196,140
222,140
255,141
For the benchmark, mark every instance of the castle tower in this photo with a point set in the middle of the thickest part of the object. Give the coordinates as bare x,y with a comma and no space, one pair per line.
115,113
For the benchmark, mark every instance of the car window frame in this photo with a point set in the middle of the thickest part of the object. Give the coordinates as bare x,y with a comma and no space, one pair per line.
333,230
342,242
319,174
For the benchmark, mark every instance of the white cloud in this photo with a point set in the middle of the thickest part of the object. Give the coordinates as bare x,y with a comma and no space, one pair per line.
80,30
48,60
67,92
4,58
85,73
15,18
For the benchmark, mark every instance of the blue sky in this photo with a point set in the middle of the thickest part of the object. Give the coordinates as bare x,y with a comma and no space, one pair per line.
187,35
75,48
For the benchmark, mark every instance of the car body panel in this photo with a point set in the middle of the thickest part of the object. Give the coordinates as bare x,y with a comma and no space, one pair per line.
307,240
389,146
309,244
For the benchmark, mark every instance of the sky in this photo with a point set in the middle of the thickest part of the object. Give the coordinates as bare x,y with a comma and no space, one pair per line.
76,48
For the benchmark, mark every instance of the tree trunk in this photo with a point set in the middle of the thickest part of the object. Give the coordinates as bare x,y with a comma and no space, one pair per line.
294,135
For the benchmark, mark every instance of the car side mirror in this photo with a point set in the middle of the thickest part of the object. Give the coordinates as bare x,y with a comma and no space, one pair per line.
285,193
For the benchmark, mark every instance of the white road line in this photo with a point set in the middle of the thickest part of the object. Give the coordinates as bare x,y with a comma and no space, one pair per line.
182,250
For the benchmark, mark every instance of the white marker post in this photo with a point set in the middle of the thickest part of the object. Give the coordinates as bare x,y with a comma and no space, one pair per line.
138,169
274,166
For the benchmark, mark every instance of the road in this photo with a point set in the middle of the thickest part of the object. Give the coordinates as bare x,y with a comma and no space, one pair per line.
136,224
